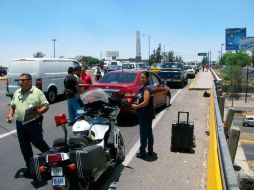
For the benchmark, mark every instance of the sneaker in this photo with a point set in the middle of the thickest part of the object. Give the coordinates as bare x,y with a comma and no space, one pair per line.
139,155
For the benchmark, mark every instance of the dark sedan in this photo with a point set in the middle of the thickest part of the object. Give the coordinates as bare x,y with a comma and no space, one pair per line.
128,84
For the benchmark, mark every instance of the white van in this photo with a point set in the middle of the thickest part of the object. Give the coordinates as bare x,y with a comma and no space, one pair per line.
47,74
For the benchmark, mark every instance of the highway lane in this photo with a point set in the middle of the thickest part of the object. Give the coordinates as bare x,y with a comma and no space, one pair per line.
11,158
247,133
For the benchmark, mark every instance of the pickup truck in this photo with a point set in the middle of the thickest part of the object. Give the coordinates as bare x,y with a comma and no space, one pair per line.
173,73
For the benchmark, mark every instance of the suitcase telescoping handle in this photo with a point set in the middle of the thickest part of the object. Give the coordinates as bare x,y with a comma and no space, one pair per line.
179,113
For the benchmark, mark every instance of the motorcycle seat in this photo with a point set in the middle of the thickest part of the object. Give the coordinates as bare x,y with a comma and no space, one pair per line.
79,139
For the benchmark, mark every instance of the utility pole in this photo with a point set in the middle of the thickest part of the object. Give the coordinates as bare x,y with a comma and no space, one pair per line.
221,52
54,41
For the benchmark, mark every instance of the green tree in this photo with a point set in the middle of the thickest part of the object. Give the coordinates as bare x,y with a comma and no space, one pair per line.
38,54
241,59
233,79
156,56
87,60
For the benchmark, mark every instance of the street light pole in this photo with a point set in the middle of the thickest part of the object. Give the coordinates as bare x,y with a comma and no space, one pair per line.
148,45
221,52
54,40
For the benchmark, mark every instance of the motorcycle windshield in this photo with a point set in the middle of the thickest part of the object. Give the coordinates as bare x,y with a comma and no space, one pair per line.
95,95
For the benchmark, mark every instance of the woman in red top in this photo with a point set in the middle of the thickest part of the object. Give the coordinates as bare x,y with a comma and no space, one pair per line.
85,78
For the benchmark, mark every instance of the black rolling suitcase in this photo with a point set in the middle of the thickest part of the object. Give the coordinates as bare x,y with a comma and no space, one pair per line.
182,136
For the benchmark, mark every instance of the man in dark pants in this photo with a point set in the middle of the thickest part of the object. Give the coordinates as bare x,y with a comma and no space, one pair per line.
29,129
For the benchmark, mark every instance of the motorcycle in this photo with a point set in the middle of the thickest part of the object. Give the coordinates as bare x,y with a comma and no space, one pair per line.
78,160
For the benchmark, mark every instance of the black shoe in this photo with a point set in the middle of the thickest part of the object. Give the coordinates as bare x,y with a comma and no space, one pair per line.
151,153
26,173
139,155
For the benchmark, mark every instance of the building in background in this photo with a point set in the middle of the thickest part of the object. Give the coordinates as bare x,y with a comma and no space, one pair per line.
138,46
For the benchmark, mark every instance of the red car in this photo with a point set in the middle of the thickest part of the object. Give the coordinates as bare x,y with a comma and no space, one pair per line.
128,84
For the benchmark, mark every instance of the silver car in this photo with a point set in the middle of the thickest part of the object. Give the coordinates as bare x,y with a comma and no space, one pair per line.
248,121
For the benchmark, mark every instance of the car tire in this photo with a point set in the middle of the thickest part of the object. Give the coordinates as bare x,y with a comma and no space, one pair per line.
167,102
182,84
246,125
51,95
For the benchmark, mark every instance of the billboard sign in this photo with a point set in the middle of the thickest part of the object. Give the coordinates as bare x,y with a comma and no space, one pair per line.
233,37
112,53
247,44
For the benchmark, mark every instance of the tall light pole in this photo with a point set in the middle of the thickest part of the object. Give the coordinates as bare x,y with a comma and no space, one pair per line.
221,52
148,45
54,40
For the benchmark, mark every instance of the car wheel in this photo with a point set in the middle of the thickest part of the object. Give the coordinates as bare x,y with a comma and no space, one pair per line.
246,124
52,95
182,84
168,99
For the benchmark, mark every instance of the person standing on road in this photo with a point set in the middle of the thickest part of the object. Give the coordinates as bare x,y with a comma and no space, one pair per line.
72,94
145,113
99,72
85,78
28,97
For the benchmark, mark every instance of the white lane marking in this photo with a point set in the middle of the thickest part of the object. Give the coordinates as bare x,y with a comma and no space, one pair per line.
8,133
135,147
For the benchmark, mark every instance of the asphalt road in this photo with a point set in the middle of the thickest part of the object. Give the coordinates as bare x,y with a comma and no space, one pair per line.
11,158
247,133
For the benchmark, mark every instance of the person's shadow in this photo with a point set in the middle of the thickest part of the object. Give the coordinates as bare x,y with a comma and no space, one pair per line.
36,184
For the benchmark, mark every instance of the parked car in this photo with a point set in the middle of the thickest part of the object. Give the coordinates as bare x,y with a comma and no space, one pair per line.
132,65
190,71
113,68
155,68
3,71
128,84
47,74
248,121
173,73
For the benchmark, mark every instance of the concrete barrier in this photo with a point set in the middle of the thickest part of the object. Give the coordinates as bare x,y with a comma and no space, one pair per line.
214,181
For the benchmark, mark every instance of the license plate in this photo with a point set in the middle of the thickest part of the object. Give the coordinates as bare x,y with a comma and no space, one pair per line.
58,181
57,171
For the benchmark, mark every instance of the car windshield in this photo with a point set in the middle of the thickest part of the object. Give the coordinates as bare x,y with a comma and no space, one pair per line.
187,67
118,78
128,66
172,65
140,66
114,67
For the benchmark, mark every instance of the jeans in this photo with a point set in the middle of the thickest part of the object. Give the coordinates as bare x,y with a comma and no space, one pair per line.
146,136
30,133
73,106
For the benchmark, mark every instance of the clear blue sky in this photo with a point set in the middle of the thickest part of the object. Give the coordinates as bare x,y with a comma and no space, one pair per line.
88,27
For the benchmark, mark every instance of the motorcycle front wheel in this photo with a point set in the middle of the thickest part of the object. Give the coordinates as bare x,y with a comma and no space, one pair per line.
120,150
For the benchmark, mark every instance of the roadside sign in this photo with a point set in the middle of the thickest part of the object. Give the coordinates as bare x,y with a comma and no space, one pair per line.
202,54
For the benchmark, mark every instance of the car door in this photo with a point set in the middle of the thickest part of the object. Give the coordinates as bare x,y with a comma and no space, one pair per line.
251,121
159,91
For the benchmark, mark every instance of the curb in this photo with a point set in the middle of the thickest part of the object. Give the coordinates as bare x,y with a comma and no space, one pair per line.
194,82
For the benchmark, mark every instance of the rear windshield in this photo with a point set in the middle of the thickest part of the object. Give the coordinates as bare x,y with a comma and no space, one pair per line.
128,66
140,66
23,66
172,65
118,77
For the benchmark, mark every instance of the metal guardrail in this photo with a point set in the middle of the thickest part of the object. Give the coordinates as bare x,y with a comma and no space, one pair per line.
228,175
